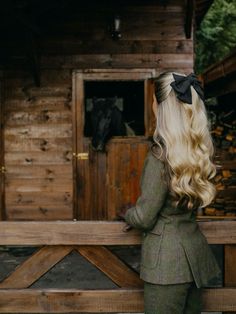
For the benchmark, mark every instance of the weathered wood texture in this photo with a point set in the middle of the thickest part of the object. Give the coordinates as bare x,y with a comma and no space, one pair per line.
38,157
120,273
41,179
153,34
46,257
229,268
97,232
102,301
35,266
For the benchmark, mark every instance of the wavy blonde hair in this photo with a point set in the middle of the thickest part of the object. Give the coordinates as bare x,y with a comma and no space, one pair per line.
183,136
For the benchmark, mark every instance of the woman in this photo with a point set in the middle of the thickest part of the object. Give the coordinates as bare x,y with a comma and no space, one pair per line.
176,260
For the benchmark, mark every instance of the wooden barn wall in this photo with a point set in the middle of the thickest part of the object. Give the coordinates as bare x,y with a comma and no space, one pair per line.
38,120
38,142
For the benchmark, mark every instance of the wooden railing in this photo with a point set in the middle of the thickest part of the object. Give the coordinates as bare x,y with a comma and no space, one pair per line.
90,238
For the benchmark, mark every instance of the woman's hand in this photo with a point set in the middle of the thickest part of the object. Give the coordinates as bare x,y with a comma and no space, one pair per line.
127,227
121,215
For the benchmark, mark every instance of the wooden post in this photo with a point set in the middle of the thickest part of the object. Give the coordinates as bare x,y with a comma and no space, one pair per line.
229,267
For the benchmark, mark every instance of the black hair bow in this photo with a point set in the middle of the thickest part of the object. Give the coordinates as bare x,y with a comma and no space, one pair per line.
182,84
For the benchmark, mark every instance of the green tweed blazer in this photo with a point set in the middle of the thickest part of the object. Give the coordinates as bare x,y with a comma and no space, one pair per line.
173,250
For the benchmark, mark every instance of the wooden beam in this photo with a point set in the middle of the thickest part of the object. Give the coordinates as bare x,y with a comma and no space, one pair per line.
178,61
229,267
188,18
220,69
69,46
223,86
35,266
94,301
97,232
120,273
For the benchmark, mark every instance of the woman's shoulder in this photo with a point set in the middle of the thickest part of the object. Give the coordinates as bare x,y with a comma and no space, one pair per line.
153,163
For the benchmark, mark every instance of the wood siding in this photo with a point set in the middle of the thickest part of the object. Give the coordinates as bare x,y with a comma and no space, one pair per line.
38,127
38,158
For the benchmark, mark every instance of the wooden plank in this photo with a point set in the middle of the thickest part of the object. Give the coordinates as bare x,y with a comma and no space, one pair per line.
39,171
111,265
79,120
131,32
149,115
25,118
44,184
168,61
97,233
229,267
42,145
37,158
70,46
125,190
39,131
49,198
102,301
35,266
43,92
119,171
220,69
39,212
74,108
19,103
101,196
96,74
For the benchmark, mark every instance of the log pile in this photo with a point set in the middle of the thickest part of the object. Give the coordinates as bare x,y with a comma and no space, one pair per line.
223,130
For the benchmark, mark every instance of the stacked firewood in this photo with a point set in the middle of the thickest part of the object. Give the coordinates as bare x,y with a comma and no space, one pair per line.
223,130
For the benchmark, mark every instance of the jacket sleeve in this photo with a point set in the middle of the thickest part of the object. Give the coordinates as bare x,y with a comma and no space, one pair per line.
153,194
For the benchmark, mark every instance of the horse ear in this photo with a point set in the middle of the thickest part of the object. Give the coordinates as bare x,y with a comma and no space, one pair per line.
119,103
89,104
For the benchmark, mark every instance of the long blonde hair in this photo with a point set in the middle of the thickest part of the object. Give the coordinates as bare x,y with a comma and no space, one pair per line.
183,135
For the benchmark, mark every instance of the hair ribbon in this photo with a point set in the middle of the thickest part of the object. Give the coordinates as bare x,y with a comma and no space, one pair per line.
181,86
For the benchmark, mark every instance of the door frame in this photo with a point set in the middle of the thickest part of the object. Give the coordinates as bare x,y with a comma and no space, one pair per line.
78,114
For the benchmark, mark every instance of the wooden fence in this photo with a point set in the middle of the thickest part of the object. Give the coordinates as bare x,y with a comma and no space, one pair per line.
56,239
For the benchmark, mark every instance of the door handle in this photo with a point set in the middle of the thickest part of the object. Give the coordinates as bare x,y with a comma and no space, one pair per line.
81,155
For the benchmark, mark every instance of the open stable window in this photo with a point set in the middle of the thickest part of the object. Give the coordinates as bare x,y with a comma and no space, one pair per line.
130,89
127,96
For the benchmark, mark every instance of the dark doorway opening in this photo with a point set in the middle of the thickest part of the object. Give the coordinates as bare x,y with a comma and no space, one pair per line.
130,100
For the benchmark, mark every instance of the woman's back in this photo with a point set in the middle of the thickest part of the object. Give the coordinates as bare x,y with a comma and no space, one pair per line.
175,255
173,248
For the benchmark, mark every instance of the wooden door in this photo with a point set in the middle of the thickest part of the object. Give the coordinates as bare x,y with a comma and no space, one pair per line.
104,182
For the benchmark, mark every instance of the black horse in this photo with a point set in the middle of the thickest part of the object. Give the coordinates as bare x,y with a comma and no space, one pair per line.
106,121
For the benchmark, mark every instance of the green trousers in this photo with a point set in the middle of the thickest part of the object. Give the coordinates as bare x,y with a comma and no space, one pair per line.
183,298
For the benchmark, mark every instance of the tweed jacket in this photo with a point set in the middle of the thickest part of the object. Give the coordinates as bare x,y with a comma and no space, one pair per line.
173,249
